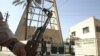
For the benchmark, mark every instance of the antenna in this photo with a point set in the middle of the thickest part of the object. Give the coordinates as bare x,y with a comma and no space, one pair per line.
7,16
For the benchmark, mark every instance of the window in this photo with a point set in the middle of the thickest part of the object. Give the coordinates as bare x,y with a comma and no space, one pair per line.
61,50
53,21
85,30
73,33
97,29
53,50
53,27
47,53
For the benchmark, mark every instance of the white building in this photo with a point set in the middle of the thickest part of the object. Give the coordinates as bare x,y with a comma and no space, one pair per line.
87,37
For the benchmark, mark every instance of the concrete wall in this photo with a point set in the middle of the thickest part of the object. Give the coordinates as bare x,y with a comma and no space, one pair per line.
97,23
78,28
85,47
49,33
87,42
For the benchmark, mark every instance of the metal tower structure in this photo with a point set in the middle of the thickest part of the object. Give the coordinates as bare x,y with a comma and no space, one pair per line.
36,18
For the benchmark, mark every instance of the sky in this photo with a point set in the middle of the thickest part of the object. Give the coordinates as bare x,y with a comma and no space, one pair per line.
70,12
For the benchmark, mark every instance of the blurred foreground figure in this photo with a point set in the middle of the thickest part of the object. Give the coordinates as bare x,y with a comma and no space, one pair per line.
8,39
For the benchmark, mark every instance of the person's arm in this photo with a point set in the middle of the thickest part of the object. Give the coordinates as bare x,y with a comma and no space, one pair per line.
8,39
15,46
9,43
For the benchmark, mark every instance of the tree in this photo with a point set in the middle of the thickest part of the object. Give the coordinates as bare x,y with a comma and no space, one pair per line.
19,2
26,3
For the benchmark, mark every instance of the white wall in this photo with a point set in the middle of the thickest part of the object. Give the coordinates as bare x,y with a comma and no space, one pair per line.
79,29
87,45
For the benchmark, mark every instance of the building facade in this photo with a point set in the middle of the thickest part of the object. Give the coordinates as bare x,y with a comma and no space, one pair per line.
86,35
51,50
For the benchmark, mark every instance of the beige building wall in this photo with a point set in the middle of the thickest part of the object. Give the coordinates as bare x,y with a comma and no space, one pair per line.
88,42
49,33
85,47
97,24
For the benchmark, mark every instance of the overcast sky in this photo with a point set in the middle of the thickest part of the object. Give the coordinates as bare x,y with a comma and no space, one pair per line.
70,12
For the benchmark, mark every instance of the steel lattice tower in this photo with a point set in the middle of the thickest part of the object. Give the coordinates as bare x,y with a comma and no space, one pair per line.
36,18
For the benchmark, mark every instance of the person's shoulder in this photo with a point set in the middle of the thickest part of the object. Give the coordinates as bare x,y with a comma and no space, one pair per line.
4,24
